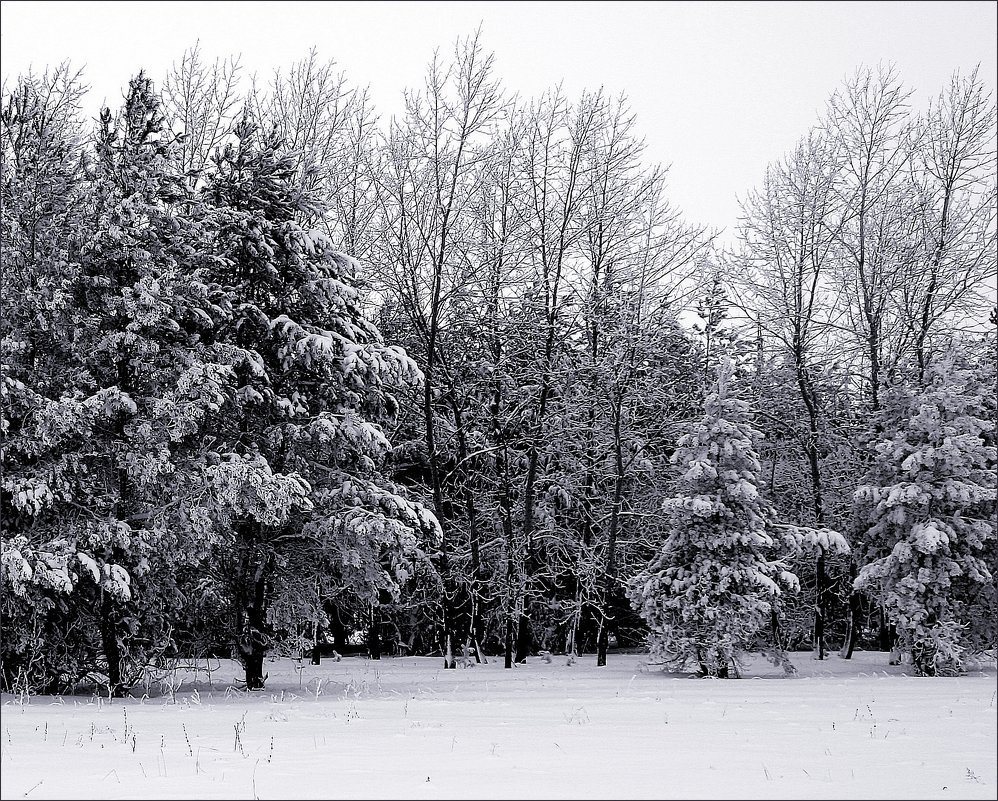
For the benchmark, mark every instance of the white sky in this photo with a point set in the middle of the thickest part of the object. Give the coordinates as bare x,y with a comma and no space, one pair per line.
720,89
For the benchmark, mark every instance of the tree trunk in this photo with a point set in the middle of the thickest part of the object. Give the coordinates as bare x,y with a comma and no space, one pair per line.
811,403
873,347
572,643
433,457
109,642
884,634
252,653
610,570
374,635
602,643
509,642
338,631
819,605
253,666
524,638
704,670
316,655
889,639
476,625
476,628
252,644
506,519
855,610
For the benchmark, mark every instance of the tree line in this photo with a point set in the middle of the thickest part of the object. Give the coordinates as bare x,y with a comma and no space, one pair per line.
280,376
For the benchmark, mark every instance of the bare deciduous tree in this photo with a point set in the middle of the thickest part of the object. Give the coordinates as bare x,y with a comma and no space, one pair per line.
868,121
200,103
789,235
954,174
427,192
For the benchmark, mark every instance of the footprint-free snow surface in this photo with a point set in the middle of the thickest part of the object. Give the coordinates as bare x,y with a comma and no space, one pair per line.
405,728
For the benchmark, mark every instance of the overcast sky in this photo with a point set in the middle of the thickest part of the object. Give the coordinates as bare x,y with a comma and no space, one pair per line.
719,89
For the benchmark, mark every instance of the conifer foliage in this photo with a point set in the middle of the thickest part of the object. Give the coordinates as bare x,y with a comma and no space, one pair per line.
89,465
193,401
711,590
295,496
927,515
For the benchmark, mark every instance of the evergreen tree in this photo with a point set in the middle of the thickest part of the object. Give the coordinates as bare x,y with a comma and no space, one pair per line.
712,588
101,455
927,518
712,308
297,509
43,194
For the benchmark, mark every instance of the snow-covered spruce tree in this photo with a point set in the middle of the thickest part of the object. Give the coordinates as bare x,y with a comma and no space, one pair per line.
295,505
711,590
926,515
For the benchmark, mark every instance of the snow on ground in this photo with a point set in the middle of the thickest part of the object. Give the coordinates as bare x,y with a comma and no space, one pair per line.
406,728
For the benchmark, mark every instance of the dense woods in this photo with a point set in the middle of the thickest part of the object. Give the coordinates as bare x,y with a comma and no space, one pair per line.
283,377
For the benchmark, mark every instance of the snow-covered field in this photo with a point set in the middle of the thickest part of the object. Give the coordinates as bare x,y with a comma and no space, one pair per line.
405,728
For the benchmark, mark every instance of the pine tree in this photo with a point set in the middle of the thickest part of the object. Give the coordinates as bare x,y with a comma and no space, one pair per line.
103,452
297,508
149,323
712,588
927,517
41,175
